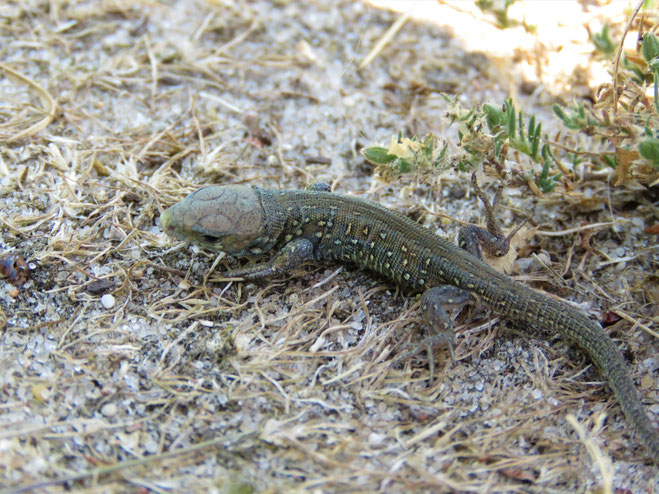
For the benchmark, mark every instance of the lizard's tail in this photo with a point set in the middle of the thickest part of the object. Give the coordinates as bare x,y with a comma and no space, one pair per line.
541,311
592,338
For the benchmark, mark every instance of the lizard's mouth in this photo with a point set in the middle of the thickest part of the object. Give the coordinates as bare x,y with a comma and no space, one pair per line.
209,239
168,226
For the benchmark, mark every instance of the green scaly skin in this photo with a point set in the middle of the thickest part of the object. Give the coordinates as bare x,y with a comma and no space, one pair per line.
314,224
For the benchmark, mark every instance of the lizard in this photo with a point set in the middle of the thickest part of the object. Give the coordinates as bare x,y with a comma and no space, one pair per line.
317,224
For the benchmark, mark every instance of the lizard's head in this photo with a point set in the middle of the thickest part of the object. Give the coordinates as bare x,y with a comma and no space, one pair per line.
229,218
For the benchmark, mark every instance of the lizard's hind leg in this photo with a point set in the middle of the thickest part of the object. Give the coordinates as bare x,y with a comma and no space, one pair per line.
475,239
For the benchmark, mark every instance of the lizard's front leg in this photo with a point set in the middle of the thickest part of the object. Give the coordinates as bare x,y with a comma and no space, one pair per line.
291,255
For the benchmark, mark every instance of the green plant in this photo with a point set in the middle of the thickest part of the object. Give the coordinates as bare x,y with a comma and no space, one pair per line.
619,131
507,134
603,42
650,52
499,9
406,155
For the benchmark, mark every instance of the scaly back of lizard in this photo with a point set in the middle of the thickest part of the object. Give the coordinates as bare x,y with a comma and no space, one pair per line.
315,224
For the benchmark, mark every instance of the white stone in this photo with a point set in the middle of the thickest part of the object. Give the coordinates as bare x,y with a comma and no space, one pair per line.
107,301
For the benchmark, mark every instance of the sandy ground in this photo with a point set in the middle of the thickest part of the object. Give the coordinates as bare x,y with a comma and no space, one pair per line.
124,365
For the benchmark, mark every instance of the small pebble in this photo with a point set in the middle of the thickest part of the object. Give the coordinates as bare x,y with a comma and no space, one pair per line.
109,410
107,301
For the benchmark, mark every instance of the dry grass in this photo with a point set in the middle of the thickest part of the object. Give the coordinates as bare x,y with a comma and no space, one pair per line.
129,365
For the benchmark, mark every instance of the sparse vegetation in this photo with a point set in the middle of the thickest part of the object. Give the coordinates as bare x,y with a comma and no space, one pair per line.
624,137
130,362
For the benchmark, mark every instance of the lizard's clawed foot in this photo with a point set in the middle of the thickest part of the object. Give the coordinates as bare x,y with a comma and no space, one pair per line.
428,344
434,305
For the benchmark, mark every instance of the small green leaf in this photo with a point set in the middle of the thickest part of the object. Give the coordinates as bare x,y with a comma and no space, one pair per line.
544,181
402,166
603,42
378,155
610,159
441,156
558,111
493,116
649,149
509,113
650,47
